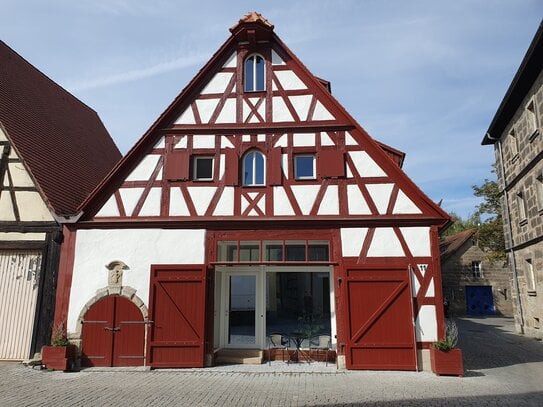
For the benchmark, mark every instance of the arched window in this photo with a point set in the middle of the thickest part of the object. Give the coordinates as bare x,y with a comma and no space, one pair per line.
254,73
253,168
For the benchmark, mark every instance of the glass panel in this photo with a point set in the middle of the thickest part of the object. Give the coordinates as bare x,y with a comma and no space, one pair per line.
227,251
298,304
249,74
259,168
318,251
249,251
248,178
304,166
204,167
241,315
295,251
273,251
259,73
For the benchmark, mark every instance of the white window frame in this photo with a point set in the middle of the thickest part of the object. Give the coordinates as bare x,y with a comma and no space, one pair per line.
195,159
477,269
530,276
314,176
253,67
253,182
533,122
521,204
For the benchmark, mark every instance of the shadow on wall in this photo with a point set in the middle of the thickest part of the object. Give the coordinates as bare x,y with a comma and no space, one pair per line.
490,342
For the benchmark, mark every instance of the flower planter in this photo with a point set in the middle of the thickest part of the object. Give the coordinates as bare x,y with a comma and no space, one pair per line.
58,357
447,362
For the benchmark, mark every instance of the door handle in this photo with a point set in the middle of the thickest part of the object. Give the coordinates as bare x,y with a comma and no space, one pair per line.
112,329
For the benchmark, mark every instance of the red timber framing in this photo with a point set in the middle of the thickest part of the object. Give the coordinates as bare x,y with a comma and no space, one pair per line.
177,308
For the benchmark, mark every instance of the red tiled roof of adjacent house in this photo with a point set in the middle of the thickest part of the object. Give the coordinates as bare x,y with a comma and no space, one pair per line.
62,141
451,244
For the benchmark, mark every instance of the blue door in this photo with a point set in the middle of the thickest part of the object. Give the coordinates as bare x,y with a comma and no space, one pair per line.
479,300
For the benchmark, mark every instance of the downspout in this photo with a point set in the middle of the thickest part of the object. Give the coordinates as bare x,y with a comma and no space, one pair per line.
512,250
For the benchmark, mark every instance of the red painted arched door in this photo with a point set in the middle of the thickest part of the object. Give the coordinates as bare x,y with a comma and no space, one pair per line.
113,334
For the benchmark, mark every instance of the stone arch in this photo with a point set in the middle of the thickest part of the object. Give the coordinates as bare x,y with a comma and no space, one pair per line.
126,292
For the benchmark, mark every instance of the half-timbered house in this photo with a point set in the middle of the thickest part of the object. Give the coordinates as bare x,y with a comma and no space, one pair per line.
255,204
54,150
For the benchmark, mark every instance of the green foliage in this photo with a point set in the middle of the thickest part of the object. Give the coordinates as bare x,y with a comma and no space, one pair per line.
444,345
487,221
451,337
59,336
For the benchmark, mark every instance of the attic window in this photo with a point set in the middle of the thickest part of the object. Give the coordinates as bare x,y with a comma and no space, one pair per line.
254,73
203,168
476,269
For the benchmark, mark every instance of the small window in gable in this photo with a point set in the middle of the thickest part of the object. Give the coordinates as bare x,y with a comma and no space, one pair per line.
202,168
539,191
253,168
304,166
476,269
530,277
254,73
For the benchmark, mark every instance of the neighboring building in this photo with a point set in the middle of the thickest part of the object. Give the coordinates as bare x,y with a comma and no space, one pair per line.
254,204
472,284
54,151
516,133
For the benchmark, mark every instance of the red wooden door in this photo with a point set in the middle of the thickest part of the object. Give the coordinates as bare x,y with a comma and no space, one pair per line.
177,309
379,330
113,334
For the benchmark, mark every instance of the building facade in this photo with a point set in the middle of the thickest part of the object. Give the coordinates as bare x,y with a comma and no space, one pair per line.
516,134
53,151
254,205
473,285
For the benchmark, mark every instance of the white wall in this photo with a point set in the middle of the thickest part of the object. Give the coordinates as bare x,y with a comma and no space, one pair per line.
137,248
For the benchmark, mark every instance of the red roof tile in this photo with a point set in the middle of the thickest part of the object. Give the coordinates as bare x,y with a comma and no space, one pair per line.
62,141
451,244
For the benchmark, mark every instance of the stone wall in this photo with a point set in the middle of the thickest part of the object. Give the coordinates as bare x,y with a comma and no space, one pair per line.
457,274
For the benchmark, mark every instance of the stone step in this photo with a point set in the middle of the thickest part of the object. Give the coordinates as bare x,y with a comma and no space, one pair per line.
239,356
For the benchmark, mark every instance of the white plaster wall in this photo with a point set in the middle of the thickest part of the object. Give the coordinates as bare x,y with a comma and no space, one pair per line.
32,207
130,197
418,240
281,204
352,240
356,201
276,59
203,141
321,113
280,110
426,324
138,248
380,194
305,196
330,202
301,104
303,140
365,165
201,197
218,83
228,112
206,107
110,208
385,243
225,206
404,205
19,175
232,61
187,117
145,168
289,80
151,206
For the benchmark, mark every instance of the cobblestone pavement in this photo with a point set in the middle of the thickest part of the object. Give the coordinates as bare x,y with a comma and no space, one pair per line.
502,369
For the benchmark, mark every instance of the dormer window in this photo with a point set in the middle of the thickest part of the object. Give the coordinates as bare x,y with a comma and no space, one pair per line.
253,168
254,73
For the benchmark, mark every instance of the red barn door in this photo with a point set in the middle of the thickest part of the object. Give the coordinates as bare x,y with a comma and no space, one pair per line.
380,332
113,333
177,309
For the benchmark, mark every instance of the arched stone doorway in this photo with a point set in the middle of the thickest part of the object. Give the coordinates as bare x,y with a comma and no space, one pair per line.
113,333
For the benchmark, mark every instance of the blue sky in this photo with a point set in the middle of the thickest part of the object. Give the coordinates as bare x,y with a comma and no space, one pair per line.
425,77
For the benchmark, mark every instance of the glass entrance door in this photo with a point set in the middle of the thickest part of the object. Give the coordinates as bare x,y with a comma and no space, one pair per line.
241,319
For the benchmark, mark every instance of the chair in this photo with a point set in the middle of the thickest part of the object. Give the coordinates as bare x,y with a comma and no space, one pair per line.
278,341
321,342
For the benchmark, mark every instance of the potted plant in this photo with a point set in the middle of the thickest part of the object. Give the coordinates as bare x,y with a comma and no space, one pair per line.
445,358
60,355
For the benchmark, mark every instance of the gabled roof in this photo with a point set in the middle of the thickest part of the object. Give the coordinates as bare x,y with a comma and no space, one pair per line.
249,32
529,70
451,244
63,143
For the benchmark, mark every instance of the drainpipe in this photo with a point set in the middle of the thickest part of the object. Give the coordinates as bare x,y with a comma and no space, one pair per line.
512,250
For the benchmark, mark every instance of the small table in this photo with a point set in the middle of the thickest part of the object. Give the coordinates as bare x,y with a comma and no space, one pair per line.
298,338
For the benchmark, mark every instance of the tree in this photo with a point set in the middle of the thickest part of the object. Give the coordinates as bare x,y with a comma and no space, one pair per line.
491,235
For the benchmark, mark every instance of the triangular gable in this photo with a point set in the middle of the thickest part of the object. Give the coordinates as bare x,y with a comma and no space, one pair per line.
214,116
20,200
